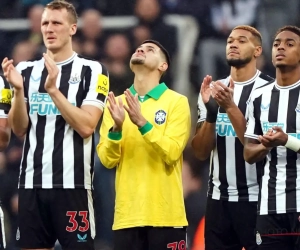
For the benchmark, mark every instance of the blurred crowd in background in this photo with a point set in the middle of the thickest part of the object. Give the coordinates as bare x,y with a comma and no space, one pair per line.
214,18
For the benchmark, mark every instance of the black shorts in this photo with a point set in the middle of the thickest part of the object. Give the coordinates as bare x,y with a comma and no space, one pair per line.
150,238
47,215
230,225
2,232
278,231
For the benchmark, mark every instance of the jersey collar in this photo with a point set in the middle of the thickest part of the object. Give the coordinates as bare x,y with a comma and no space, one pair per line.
154,93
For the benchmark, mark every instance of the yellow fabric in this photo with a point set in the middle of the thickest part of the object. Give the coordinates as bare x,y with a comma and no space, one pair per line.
149,163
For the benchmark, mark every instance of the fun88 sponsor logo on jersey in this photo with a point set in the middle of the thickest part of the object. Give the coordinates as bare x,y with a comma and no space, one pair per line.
266,126
42,104
269,125
224,126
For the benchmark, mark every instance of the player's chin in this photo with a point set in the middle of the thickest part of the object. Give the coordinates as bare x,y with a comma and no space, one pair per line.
232,57
137,61
280,64
51,46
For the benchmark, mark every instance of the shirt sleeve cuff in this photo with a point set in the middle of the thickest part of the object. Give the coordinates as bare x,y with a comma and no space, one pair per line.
251,136
146,128
116,136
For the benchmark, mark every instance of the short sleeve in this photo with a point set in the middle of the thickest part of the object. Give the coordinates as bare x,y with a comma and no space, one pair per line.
253,127
201,110
97,85
5,97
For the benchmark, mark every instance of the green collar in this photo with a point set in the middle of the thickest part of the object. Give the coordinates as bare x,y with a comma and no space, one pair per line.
154,93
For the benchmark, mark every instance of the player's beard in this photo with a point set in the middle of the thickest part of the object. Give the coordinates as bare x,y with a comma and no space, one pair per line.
137,61
238,62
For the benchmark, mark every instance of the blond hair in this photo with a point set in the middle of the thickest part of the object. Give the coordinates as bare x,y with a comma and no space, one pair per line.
252,30
61,4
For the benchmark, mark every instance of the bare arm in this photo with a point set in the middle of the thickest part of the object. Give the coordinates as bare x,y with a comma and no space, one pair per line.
254,151
204,140
4,133
238,121
224,97
84,120
18,117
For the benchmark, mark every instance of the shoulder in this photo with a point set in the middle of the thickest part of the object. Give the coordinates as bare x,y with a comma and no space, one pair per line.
173,95
263,78
26,64
94,65
264,88
89,61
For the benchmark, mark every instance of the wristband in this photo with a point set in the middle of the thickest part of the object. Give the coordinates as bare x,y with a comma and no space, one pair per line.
212,110
293,143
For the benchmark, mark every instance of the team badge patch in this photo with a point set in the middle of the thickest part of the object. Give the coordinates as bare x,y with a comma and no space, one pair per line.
102,85
74,79
6,95
160,117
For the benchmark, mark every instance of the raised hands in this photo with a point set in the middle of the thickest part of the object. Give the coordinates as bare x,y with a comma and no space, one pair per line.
11,74
223,94
205,90
116,110
50,84
210,104
273,138
134,109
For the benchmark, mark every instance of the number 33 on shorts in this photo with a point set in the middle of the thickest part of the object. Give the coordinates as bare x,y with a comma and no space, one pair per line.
77,221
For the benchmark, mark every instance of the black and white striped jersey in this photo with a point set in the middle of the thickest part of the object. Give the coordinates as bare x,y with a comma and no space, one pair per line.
54,154
274,105
5,97
231,178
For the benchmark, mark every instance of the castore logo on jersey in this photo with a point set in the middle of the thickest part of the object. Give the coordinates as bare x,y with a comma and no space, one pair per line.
81,238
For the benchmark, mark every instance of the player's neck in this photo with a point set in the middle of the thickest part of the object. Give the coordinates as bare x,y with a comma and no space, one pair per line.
143,83
61,55
287,76
243,74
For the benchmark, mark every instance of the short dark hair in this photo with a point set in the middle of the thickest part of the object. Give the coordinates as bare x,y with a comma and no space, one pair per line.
252,30
291,28
163,49
62,4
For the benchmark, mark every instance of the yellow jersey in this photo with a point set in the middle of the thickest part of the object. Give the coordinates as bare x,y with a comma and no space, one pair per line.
148,161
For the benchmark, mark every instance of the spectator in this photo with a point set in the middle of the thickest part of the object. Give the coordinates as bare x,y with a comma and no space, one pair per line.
117,53
224,15
24,51
27,5
151,25
90,36
116,7
33,34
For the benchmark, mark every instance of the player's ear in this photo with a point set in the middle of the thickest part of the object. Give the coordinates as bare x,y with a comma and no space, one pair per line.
258,51
73,29
163,67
